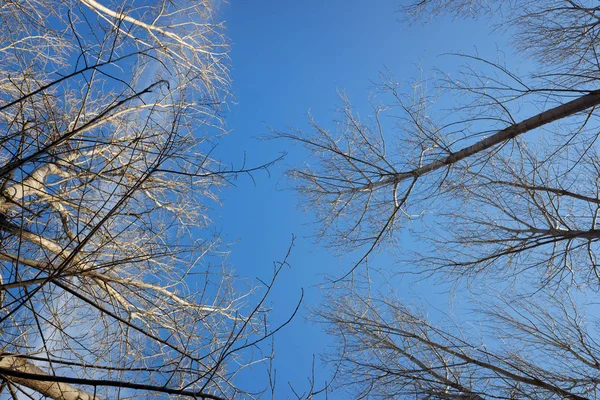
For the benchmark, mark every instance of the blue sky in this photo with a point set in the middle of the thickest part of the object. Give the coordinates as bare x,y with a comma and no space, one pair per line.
289,57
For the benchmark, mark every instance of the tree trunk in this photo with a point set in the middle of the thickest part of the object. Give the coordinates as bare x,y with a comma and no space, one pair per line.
50,389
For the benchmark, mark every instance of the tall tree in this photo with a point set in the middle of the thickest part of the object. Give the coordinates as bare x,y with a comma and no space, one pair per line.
108,288
504,187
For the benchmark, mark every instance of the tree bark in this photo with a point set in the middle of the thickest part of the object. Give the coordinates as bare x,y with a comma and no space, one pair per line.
52,390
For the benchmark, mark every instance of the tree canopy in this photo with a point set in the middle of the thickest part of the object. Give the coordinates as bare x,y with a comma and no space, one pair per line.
502,191
109,110
113,282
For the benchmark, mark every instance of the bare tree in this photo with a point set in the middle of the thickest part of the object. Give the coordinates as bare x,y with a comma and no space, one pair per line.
504,186
522,349
111,280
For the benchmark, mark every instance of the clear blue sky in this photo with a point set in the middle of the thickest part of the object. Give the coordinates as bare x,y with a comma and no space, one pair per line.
289,57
